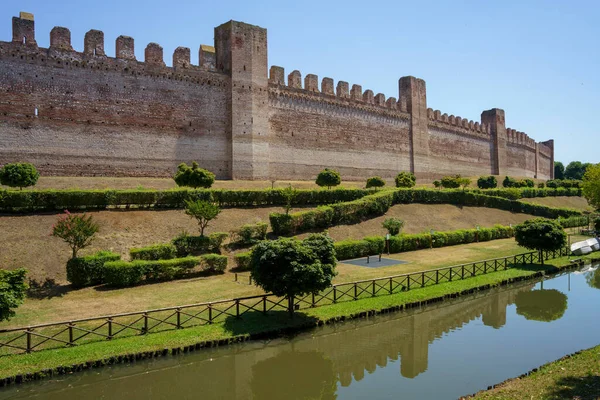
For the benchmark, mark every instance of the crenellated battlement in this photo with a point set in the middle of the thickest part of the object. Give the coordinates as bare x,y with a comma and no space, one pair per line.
343,93
60,53
515,137
440,120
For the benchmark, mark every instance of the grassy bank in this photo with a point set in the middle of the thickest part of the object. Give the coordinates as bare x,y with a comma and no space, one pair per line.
251,325
572,377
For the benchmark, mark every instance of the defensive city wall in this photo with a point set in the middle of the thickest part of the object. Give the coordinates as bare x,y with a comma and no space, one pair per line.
83,113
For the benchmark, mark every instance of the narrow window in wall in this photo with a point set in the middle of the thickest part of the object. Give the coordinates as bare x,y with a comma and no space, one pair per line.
24,40
94,51
35,112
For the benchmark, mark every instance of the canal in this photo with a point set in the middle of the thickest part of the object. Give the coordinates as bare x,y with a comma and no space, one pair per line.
440,351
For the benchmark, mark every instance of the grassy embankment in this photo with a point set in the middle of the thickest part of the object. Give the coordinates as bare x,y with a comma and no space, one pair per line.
254,324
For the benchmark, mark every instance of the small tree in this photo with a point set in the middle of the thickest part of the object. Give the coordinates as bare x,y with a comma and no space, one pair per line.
375,181
487,182
437,184
540,234
590,186
405,180
328,177
289,195
464,183
12,291
203,211
77,230
393,225
19,175
193,176
451,182
559,170
290,268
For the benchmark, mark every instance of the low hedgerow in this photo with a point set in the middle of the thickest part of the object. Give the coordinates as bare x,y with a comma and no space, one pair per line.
563,183
89,270
164,251
215,263
186,244
250,234
242,261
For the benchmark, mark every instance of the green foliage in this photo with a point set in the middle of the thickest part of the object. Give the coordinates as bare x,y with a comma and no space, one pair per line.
487,182
289,267
243,261
540,234
591,186
19,175
405,180
575,170
89,270
597,224
289,194
541,185
193,176
76,230
541,305
559,170
375,181
451,182
203,211
393,225
187,244
251,233
328,177
437,184
163,251
214,263
510,182
12,291
464,182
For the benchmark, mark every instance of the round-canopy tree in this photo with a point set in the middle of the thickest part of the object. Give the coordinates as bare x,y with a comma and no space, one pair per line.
540,234
487,182
328,177
591,185
290,268
193,176
393,225
375,181
559,170
405,180
541,305
593,278
19,175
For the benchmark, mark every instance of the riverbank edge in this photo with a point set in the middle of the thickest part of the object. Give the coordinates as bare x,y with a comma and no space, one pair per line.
298,326
523,377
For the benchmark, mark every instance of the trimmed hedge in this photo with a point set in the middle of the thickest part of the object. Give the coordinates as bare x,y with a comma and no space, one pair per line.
52,200
251,233
379,203
124,274
186,244
242,261
89,270
516,193
155,252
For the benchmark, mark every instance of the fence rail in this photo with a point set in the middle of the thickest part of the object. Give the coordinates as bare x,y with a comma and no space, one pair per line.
108,327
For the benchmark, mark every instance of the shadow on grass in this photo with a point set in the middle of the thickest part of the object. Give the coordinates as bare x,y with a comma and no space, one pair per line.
47,289
193,275
273,323
571,387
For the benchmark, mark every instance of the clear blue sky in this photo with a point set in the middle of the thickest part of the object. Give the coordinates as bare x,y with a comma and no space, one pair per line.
537,60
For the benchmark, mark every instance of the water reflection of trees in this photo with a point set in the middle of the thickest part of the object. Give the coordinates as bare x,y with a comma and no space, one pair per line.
593,278
541,305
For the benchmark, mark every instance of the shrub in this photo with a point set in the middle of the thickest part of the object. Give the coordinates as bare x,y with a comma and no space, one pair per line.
155,252
509,182
19,175
541,185
215,263
451,182
529,182
193,177
597,224
186,244
405,180
437,184
203,211
464,182
76,230
89,270
242,261
393,225
12,291
487,182
251,233
289,194
375,181
328,177
123,274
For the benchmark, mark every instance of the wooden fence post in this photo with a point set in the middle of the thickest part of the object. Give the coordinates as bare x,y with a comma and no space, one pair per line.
145,322
210,319
178,312
28,350
70,333
109,328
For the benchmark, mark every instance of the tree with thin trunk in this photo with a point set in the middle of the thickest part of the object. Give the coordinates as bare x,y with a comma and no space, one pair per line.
542,235
77,230
203,211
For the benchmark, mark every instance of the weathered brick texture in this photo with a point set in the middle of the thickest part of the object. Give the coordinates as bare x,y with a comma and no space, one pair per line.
75,113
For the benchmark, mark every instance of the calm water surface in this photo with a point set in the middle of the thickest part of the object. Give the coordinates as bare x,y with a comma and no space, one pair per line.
436,352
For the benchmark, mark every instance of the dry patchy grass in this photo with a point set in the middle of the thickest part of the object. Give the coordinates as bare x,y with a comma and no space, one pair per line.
577,203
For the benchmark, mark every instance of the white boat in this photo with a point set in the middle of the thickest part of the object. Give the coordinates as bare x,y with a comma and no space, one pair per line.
594,244
585,247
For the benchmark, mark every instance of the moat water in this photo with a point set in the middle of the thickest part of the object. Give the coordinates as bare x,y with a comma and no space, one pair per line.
440,351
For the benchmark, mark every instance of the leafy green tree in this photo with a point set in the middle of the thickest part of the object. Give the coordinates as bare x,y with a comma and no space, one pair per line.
451,182
540,234
19,175
590,186
375,181
12,291
575,170
437,184
559,170
289,267
203,211
464,182
393,225
193,176
76,230
541,305
328,177
405,180
289,195
487,182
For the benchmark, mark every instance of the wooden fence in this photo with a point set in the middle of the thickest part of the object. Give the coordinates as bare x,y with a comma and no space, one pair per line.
108,327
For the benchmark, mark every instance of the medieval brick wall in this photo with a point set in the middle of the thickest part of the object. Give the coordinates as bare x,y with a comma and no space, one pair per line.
83,113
